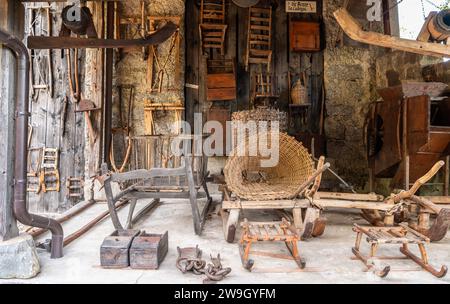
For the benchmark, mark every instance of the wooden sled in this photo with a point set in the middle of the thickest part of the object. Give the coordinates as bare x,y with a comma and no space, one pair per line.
269,232
306,215
152,184
402,235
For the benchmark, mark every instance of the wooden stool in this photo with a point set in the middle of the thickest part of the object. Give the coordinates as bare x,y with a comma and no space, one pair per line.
269,232
392,236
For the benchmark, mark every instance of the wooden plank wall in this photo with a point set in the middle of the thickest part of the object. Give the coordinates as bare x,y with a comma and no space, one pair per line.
284,61
10,20
47,123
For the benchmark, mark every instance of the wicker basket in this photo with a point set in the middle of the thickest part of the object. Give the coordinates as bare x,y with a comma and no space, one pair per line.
263,114
299,93
248,180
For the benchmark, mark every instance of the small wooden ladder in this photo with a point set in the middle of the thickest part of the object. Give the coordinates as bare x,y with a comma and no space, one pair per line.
259,48
49,170
212,25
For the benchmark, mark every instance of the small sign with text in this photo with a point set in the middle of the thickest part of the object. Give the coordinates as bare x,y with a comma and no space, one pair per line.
301,7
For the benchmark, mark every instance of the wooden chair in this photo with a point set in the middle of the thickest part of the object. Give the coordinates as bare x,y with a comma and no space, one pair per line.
183,182
212,25
259,46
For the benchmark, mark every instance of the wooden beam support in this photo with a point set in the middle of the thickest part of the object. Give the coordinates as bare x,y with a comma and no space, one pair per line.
353,29
85,43
108,103
290,204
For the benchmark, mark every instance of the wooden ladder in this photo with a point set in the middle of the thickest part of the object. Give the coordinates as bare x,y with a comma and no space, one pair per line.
49,174
259,47
212,25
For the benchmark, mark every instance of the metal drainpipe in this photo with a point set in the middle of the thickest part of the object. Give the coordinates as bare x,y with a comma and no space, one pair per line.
21,136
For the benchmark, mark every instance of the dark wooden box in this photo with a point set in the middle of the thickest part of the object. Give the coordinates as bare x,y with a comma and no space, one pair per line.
114,252
221,87
149,250
221,80
305,36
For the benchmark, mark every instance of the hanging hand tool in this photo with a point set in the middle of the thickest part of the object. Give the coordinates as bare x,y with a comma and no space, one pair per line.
87,106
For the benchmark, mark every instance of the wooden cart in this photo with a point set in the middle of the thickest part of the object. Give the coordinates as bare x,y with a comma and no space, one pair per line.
306,212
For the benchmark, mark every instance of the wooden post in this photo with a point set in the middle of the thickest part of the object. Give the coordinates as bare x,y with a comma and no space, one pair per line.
10,17
192,58
447,176
108,111
405,143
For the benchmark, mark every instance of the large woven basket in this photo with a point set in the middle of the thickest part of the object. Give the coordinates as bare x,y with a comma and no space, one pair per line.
248,180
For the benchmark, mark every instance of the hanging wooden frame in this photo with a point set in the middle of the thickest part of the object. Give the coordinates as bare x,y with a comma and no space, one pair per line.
155,61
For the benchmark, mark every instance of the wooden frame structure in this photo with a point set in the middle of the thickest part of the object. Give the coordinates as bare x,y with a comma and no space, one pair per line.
154,58
149,108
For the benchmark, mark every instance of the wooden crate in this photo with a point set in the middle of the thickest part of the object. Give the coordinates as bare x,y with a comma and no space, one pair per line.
149,250
221,80
305,36
114,252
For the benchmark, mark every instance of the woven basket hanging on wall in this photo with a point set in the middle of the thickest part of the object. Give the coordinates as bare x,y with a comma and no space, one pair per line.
248,180
299,92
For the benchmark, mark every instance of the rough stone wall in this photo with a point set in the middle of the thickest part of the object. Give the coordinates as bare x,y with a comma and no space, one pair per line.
437,72
350,80
132,69
398,66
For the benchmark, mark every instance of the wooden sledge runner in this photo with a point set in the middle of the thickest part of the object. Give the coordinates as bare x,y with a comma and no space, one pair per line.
403,235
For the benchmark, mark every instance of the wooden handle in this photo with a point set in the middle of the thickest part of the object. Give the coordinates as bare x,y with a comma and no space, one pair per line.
419,183
318,179
312,179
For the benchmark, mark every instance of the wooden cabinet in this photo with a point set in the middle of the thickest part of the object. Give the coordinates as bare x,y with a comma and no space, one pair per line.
305,36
